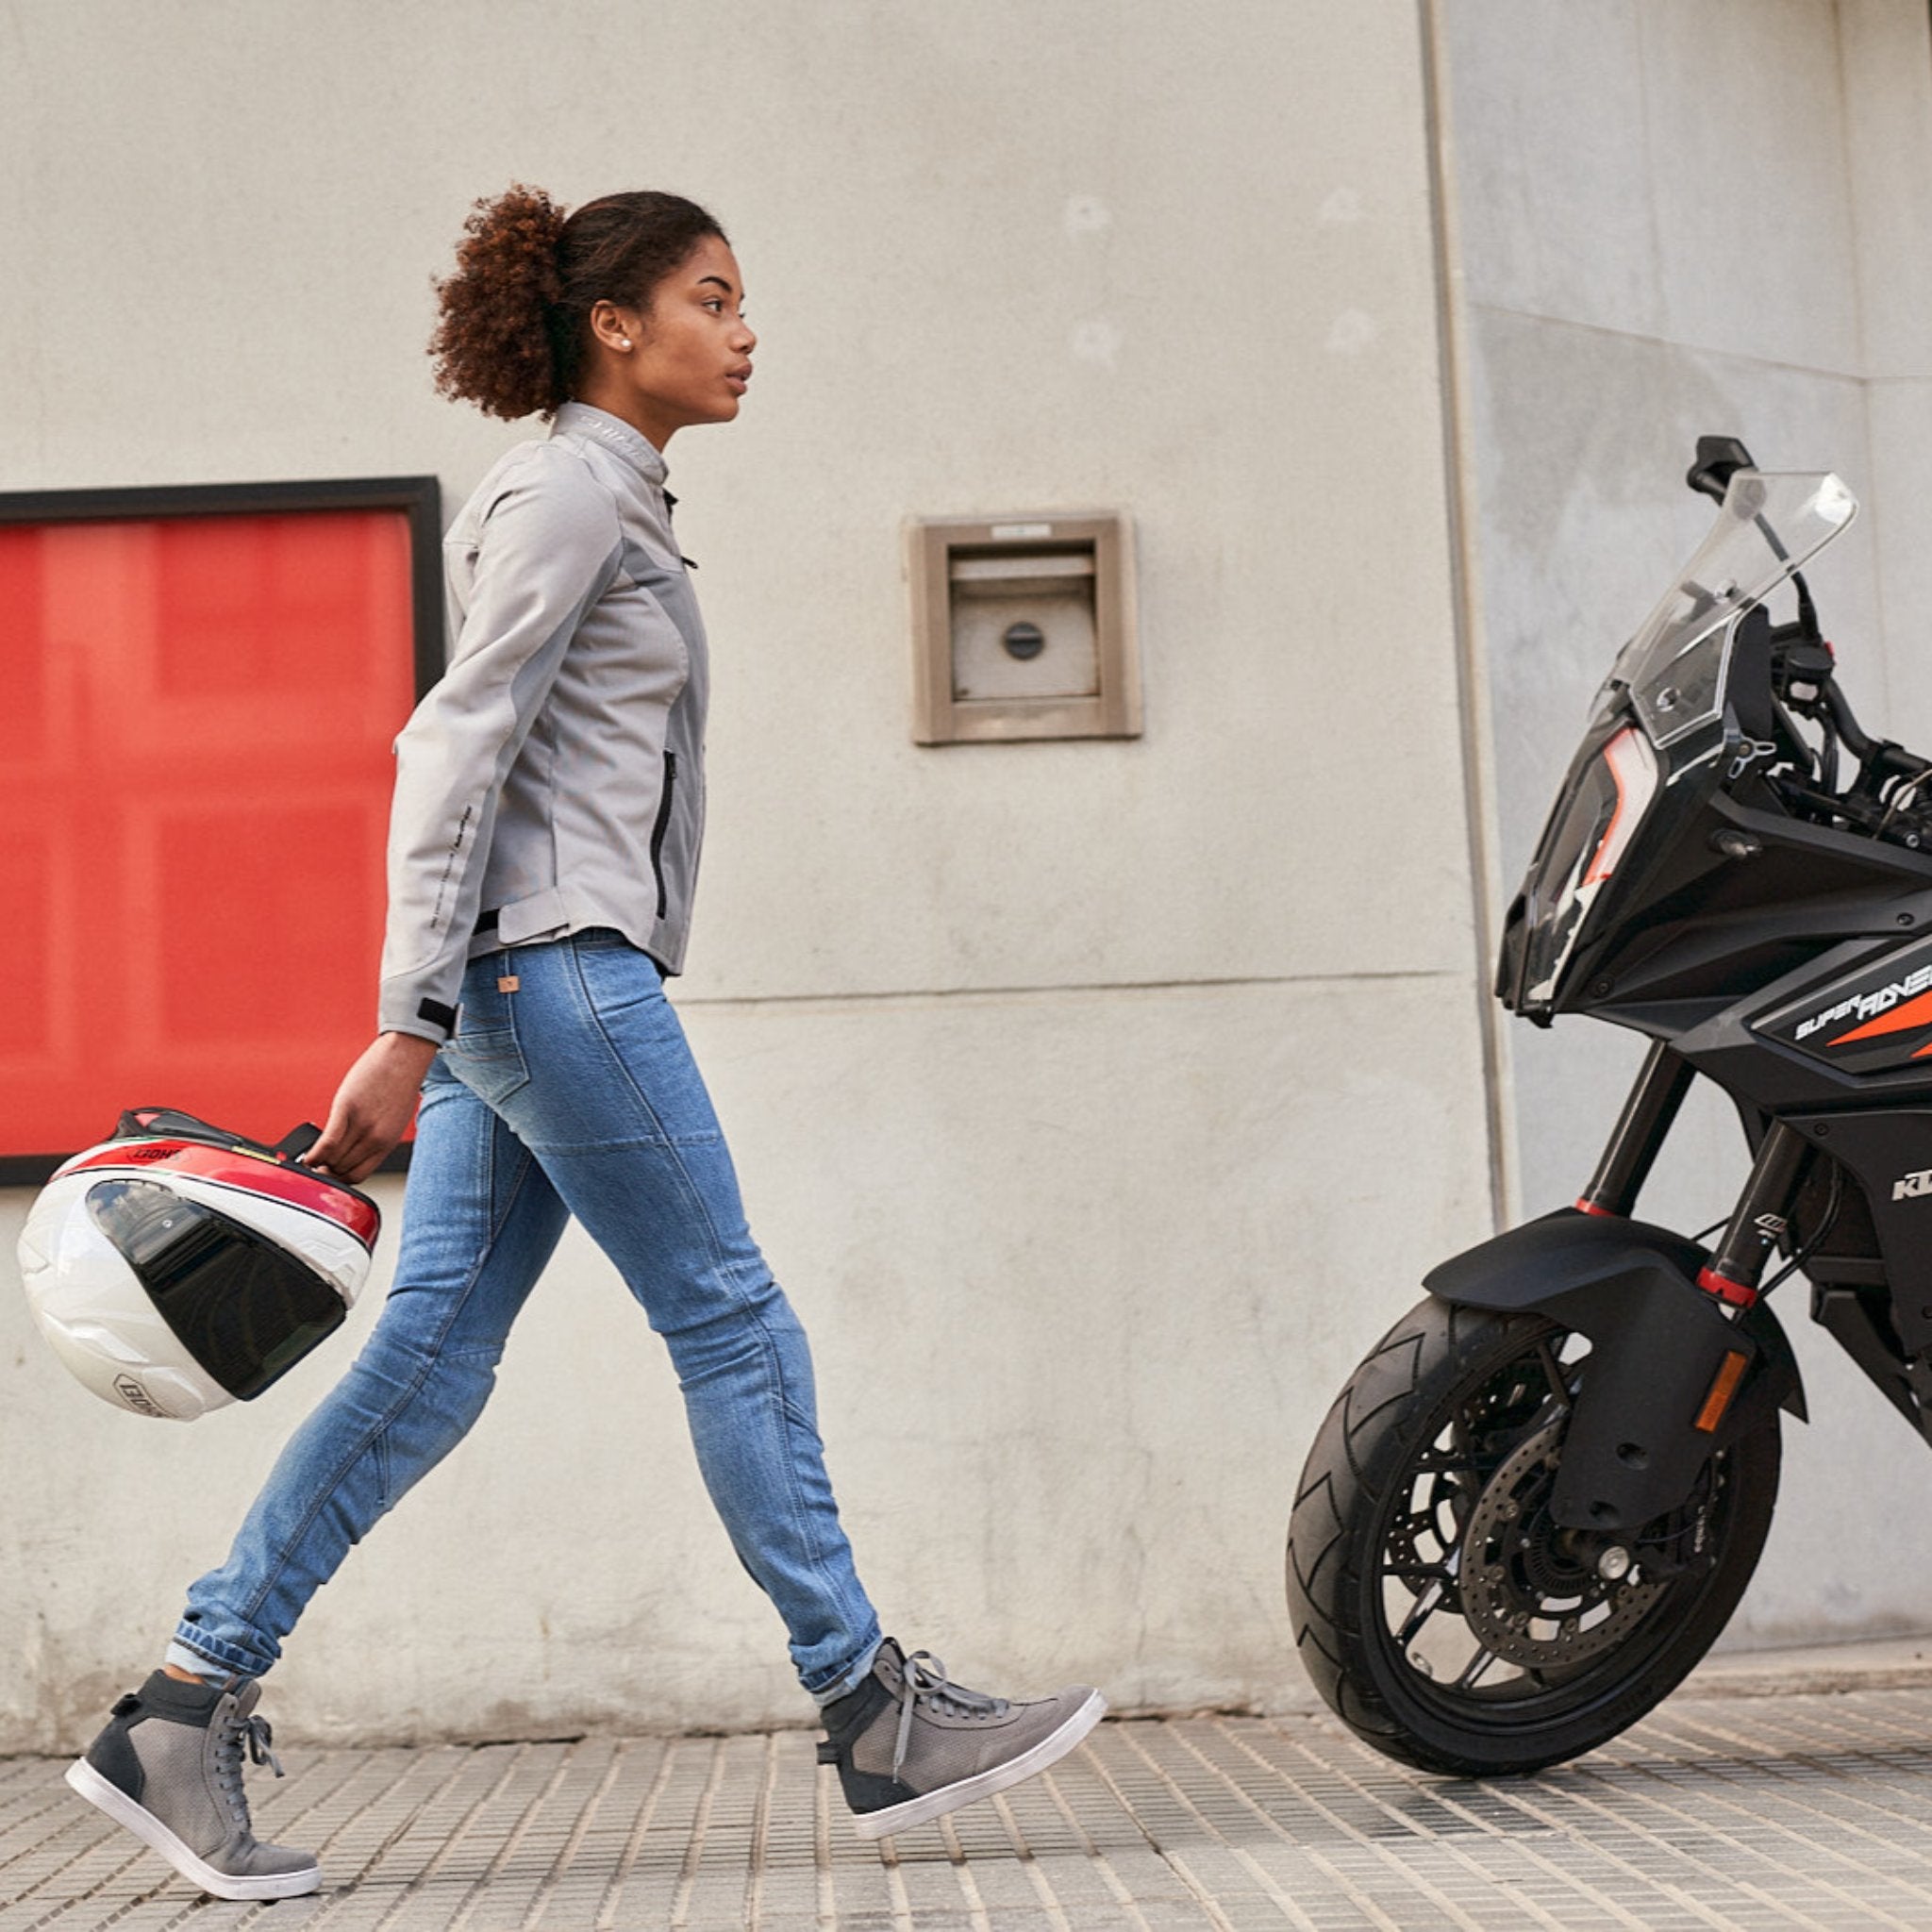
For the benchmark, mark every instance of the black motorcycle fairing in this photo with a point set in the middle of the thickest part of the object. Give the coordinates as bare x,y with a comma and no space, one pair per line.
1692,931
1859,1321
1722,930
1875,1017
1633,1450
1575,824
1749,1048
1890,1152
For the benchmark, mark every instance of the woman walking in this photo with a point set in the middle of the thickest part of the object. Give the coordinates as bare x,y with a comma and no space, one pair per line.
544,849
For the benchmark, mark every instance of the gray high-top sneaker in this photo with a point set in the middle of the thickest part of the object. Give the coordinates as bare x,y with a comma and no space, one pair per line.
910,1744
169,1768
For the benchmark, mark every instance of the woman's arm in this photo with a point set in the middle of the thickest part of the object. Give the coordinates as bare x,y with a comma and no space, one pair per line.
550,545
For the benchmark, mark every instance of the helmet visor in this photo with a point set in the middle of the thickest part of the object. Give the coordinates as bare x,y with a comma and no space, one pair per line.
244,1308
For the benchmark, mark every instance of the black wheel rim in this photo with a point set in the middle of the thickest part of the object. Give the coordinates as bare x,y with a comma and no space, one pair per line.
1449,1643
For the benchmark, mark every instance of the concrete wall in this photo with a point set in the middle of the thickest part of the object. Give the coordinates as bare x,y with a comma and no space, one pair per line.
1098,1103
1669,217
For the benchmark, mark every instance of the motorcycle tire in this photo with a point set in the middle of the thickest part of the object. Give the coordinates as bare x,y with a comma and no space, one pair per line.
1437,1459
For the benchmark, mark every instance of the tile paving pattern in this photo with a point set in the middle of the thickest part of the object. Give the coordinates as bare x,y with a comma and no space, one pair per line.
1806,1811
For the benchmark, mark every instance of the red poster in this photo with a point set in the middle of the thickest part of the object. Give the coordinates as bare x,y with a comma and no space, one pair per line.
195,720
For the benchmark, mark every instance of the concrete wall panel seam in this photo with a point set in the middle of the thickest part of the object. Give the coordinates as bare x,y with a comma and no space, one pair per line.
1478,747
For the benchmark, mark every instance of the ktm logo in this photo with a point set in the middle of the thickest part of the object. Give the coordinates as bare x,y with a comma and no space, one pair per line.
1911,1186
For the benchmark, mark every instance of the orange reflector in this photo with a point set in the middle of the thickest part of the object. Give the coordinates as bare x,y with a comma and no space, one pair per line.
1723,1385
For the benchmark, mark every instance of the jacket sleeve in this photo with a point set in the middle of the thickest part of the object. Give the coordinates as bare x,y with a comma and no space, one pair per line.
550,546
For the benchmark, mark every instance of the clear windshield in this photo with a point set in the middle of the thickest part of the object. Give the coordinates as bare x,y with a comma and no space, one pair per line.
1768,528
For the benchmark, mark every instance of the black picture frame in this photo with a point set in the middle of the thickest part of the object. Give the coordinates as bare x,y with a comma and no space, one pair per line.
419,498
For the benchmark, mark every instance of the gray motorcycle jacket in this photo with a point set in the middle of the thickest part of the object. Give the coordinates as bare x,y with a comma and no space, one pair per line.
554,779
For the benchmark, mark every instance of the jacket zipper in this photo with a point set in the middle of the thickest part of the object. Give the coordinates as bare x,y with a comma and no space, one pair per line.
660,827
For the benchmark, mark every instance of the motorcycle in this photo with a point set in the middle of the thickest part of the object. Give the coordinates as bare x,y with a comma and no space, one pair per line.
1538,1500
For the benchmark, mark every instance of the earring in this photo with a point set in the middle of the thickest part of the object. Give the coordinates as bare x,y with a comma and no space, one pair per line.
623,342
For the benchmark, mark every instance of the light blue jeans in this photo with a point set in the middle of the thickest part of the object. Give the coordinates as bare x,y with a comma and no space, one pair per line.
574,1094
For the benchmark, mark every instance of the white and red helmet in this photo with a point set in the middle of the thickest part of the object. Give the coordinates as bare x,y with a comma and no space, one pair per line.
176,1268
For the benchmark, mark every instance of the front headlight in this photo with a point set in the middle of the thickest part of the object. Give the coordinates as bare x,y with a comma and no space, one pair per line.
1606,806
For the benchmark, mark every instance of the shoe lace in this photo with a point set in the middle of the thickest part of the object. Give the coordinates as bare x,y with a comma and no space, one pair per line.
258,1736
922,1680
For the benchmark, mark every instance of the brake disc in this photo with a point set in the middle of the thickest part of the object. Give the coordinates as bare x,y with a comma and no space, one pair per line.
1526,1597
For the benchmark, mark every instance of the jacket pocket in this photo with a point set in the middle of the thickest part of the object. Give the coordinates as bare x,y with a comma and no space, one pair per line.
662,825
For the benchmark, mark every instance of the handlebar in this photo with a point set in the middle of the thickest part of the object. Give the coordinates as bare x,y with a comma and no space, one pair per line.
1881,801
1848,728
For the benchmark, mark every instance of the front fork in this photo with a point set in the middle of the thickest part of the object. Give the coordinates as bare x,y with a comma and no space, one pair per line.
1680,1363
1648,1115
1758,1220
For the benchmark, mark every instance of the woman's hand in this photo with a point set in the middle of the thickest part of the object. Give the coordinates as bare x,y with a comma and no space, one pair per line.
373,1108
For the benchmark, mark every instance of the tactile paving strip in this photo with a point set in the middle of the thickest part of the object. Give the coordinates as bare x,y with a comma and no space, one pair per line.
1807,1811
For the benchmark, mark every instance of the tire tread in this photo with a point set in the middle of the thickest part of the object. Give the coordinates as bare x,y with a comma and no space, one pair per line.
1364,1445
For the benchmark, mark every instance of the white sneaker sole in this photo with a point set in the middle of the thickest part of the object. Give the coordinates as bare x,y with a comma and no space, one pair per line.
122,1810
936,1804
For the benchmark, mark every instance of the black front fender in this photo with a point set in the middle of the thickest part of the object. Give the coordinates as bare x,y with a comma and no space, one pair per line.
1633,1449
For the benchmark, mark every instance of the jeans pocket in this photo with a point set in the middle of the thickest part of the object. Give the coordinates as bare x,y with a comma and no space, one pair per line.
489,1064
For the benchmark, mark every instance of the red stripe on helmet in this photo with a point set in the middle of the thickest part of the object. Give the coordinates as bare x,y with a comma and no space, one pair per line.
231,1167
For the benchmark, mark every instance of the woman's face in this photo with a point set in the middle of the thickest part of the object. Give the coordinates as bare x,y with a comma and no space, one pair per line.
689,354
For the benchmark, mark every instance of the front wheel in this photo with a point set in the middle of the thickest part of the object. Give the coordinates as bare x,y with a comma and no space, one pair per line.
1444,1615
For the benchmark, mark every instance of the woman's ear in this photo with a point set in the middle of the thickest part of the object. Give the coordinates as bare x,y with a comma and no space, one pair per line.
612,328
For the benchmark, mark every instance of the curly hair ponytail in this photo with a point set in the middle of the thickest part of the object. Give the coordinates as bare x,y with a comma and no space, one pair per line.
514,318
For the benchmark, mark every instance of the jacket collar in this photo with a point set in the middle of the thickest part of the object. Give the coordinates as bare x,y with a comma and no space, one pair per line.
581,419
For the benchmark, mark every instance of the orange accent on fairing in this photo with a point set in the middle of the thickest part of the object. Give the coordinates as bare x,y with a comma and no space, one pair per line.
1609,848
1916,1013
1587,1207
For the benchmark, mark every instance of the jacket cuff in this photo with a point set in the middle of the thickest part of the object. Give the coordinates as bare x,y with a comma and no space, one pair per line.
404,1010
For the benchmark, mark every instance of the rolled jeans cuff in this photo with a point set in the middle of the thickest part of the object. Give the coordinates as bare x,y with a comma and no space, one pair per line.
208,1663
185,1659
848,1680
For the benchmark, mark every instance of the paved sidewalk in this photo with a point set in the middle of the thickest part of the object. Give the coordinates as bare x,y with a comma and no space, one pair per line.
1809,1810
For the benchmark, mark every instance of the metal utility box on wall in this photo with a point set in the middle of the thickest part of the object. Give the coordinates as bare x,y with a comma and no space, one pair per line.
1024,627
